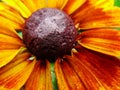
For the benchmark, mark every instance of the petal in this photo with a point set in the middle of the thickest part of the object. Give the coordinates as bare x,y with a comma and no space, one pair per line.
40,3
10,13
30,4
48,77
8,42
3,6
102,3
16,18
7,55
18,5
9,32
62,83
10,46
89,80
73,5
40,78
15,77
20,57
9,24
56,3
89,8
100,18
102,40
69,76
105,69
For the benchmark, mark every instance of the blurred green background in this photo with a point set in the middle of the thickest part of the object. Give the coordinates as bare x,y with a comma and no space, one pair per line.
117,3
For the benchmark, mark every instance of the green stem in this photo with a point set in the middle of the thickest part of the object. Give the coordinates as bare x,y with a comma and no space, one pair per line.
54,80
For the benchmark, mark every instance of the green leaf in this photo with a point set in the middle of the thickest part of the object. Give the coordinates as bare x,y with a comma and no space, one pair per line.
117,3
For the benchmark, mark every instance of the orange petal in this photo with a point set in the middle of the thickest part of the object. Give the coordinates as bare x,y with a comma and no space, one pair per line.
89,8
100,18
18,5
89,80
73,5
9,39
9,32
62,83
102,40
69,75
15,77
105,69
8,46
56,3
40,78
30,4
48,77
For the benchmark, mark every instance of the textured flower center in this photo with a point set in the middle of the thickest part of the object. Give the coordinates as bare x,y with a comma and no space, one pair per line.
49,33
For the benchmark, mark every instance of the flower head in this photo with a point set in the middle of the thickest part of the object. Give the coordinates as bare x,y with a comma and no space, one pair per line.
65,45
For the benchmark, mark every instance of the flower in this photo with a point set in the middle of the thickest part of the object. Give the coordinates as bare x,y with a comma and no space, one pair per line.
93,64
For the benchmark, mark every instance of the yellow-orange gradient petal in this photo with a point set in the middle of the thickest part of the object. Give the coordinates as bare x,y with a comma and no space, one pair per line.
7,55
20,57
10,45
8,42
4,22
30,4
15,17
40,78
101,3
100,18
56,3
3,6
40,3
89,8
19,6
73,5
10,13
106,41
104,69
9,32
66,77
15,77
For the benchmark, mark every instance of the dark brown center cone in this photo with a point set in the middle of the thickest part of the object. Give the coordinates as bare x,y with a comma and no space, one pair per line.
49,33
